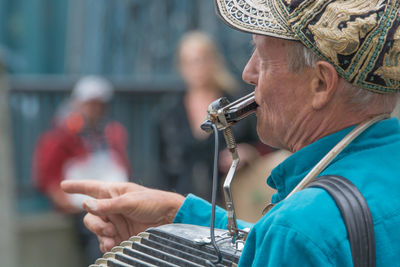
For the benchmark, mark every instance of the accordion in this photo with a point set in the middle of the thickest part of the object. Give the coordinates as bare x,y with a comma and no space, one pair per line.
173,245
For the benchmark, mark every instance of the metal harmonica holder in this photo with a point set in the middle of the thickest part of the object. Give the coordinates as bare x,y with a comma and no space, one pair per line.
223,115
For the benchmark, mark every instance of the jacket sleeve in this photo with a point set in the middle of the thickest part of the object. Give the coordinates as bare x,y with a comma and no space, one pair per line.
198,211
280,245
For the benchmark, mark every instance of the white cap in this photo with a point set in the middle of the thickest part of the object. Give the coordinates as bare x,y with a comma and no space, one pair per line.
92,87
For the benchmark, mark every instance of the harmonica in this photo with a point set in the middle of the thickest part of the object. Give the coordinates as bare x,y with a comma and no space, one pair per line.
224,114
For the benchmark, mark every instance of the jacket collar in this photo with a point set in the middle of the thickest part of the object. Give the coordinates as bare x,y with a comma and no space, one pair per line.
290,172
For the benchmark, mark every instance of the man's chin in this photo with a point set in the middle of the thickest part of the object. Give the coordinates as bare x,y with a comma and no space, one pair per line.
268,140
262,137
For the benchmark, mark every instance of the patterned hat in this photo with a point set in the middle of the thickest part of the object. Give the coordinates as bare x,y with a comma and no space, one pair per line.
361,38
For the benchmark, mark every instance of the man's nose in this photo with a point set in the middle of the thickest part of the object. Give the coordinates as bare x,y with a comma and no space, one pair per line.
250,72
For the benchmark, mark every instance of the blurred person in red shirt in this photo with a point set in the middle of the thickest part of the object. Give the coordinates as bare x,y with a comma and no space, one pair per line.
81,145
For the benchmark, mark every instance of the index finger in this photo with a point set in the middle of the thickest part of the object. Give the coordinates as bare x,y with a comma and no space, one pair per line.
91,188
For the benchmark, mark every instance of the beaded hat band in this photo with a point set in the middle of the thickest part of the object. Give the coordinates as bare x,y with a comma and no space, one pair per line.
360,38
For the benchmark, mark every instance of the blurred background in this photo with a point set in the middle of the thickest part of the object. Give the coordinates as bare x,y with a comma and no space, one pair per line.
45,47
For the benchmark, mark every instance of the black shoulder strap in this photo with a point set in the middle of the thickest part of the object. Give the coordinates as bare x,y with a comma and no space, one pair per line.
356,215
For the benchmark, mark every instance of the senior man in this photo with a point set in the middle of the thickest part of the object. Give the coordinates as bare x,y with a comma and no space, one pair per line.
320,67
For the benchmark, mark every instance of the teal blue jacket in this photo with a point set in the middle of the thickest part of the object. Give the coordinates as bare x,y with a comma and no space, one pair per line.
307,229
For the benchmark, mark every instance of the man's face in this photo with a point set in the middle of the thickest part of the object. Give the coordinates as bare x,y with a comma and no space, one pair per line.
94,111
283,96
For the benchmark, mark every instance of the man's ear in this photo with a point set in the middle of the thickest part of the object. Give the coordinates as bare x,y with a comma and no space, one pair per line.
324,84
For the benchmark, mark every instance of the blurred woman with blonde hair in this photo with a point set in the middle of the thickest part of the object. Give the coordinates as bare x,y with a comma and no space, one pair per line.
203,70
186,150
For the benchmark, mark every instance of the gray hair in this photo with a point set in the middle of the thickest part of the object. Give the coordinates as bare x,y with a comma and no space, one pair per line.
299,57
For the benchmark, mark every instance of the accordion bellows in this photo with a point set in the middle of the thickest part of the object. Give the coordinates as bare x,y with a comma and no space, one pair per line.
172,245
